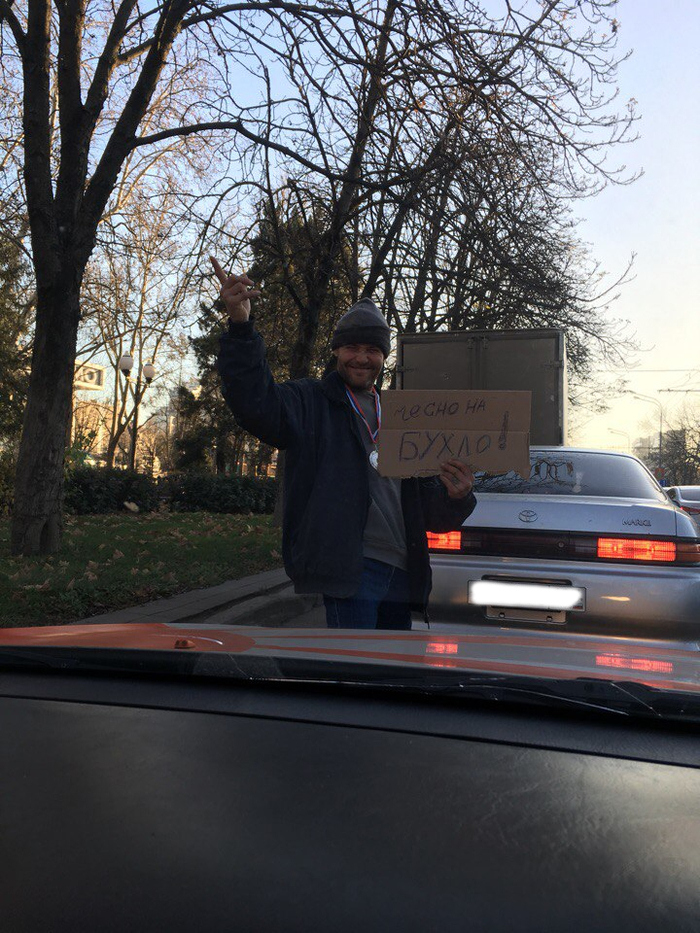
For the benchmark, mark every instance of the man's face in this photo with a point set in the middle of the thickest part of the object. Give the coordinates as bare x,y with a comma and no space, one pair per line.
359,364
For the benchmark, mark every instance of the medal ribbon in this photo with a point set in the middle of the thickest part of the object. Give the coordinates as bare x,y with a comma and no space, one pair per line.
358,411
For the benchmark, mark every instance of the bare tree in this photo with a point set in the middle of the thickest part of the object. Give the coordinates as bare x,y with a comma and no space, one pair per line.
353,85
134,301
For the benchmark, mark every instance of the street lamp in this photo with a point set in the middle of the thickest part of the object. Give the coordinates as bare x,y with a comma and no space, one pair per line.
147,373
649,398
126,364
622,434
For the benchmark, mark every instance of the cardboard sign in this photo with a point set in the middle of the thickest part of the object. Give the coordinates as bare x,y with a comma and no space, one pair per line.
489,431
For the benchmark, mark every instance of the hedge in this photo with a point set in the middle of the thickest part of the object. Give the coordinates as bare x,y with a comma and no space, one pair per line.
202,492
97,490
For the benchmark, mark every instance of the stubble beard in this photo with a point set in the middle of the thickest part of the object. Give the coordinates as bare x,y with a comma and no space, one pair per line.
353,379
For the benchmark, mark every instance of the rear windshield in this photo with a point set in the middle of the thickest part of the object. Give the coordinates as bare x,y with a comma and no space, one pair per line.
690,493
580,474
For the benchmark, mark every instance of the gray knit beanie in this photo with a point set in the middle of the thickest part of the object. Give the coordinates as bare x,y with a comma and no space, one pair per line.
363,323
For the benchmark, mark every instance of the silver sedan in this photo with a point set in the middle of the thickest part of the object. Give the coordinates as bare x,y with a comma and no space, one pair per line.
588,542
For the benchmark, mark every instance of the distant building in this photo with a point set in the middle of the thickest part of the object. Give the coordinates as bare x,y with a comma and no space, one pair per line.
91,425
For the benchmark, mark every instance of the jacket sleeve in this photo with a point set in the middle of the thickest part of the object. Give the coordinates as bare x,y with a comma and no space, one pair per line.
442,513
271,412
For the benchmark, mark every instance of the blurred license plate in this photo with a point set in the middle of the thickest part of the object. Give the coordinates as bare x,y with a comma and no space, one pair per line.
545,597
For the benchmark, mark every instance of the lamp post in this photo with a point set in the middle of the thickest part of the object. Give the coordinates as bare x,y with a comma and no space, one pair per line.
649,398
622,434
147,373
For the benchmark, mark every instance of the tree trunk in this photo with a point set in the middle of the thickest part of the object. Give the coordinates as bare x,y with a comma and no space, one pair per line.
37,513
220,455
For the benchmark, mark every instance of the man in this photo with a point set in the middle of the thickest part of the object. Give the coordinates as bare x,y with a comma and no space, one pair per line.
348,533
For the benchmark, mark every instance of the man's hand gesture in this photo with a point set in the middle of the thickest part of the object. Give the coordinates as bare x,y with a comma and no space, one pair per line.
235,293
457,478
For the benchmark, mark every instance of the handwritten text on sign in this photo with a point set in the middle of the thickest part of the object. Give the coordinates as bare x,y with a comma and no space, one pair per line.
422,429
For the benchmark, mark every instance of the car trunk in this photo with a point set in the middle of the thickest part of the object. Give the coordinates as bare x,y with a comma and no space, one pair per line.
573,514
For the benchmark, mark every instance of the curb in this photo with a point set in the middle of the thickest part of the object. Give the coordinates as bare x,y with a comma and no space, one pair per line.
222,602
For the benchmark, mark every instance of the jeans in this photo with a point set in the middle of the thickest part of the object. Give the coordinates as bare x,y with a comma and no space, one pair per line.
380,602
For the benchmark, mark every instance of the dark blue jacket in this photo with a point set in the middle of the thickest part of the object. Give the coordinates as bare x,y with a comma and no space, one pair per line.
326,487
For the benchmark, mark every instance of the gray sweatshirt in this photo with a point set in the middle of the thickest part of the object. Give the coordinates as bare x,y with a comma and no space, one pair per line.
385,535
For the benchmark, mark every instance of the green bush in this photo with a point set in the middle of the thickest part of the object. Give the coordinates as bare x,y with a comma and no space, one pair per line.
97,490
202,492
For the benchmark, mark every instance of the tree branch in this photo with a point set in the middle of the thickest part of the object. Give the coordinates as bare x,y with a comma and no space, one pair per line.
97,93
7,16
121,142
296,9
248,134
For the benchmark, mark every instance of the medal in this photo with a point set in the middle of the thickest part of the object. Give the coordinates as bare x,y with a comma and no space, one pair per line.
374,455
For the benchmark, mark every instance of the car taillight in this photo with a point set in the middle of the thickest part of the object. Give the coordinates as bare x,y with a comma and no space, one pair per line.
446,541
687,553
649,665
692,511
636,549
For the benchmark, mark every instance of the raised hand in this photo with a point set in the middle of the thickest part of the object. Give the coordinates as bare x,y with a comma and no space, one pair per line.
235,294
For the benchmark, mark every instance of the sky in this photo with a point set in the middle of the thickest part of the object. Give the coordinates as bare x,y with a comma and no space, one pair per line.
657,218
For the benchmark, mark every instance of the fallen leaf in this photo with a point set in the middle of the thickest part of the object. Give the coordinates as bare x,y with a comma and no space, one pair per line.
70,584
103,545
131,506
90,576
37,586
117,554
134,571
92,565
275,554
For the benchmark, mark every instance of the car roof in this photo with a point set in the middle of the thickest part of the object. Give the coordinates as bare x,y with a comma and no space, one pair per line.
582,450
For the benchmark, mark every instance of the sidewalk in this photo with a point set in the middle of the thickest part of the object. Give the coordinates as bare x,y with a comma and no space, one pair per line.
261,599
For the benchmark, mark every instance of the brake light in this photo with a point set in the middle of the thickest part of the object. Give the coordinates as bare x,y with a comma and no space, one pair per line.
636,549
687,508
442,647
634,664
446,541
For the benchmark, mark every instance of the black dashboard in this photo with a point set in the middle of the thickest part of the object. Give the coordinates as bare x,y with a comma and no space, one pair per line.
142,804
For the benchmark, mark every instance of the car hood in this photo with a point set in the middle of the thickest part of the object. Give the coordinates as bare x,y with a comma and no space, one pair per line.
549,655
586,514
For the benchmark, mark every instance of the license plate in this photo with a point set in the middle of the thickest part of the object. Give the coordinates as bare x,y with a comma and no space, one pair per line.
543,597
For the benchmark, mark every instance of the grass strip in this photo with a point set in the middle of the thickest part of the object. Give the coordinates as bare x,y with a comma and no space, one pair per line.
109,562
